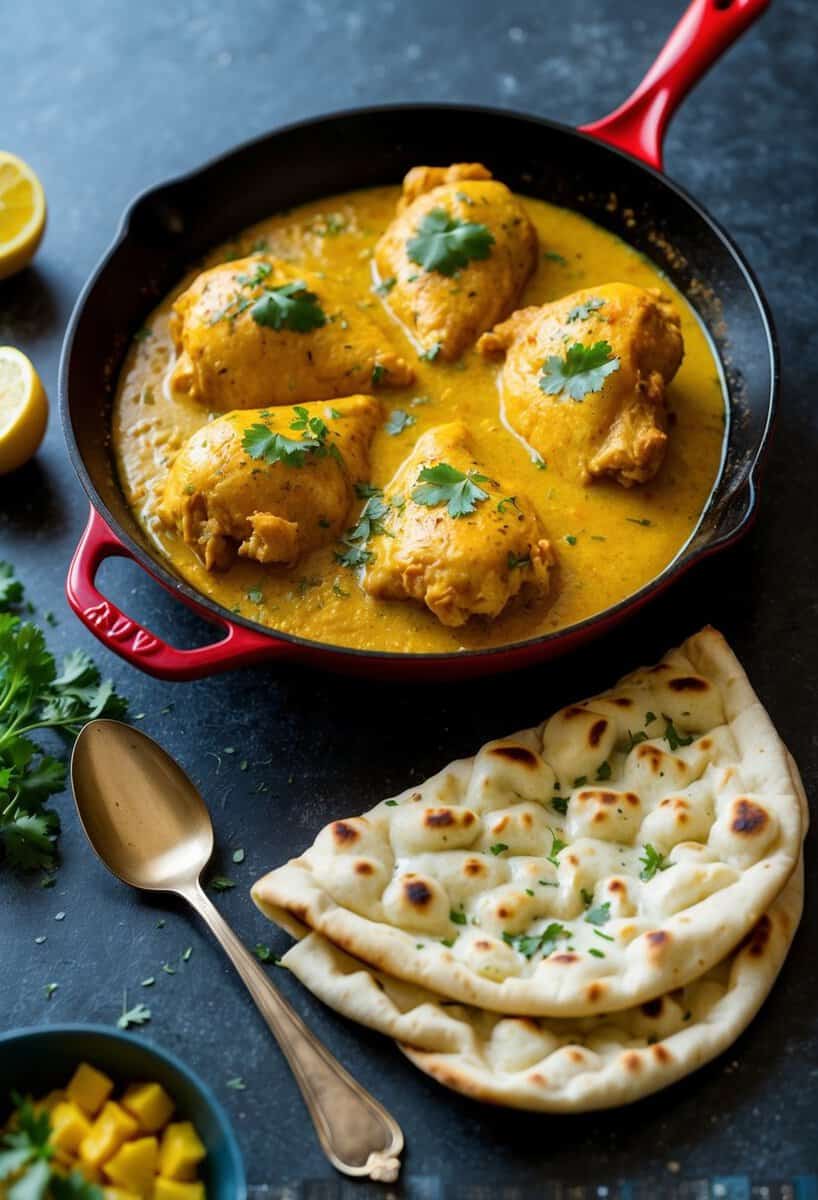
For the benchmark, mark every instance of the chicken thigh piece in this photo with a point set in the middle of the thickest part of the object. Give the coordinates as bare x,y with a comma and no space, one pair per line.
269,484
584,379
460,251
454,539
258,332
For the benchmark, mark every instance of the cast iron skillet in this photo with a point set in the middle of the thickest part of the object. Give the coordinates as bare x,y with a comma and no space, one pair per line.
599,171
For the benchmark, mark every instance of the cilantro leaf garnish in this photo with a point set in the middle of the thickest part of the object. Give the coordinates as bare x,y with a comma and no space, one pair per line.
354,556
505,502
672,736
364,490
560,804
385,286
581,370
369,524
498,848
264,444
398,421
444,484
581,312
635,739
652,861
600,915
431,354
260,273
444,243
292,306
545,943
26,1149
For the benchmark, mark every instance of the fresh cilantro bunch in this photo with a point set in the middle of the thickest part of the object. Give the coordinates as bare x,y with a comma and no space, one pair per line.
36,695
444,244
25,1161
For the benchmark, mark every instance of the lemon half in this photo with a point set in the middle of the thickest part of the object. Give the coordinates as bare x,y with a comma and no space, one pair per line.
22,214
23,409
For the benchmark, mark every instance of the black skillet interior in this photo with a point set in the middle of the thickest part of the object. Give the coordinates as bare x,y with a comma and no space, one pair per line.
171,226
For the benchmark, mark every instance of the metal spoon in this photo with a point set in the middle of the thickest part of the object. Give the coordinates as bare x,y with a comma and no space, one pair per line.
150,827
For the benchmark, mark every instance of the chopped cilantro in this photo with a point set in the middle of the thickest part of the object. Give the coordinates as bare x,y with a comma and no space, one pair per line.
443,484
600,915
265,445
639,520
652,861
560,804
552,256
581,312
379,373
444,243
582,370
264,954
498,848
530,944
603,772
586,897
672,736
364,490
596,953
255,596
398,421
503,504
635,739
556,847
385,286
459,918
518,560
138,1015
430,354
570,539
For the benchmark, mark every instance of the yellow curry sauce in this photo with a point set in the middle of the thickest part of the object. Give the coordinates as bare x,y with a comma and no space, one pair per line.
609,540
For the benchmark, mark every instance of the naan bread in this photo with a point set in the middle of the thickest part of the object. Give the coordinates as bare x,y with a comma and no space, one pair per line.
611,855
553,1064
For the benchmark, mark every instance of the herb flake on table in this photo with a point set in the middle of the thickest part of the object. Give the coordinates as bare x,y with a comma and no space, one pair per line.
580,371
444,484
220,883
292,306
445,244
140,1014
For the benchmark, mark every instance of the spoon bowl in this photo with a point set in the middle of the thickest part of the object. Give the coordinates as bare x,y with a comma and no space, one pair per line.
141,813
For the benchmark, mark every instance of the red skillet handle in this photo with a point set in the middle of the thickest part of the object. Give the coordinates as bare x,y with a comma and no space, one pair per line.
138,645
705,31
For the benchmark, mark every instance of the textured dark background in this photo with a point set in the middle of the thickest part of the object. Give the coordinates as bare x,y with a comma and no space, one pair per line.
105,99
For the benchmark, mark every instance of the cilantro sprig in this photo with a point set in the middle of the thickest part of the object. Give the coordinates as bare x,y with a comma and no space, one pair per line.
35,696
652,861
443,484
369,524
292,306
581,370
581,312
445,244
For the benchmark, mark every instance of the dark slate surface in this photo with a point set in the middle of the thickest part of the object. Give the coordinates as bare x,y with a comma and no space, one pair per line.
107,98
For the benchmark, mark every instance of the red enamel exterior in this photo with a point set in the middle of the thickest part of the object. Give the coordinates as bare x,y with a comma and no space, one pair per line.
706,30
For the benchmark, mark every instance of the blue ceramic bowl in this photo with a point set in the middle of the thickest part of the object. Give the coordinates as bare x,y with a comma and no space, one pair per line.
36,1060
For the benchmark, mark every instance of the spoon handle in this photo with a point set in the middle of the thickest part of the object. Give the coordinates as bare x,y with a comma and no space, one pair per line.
358,1136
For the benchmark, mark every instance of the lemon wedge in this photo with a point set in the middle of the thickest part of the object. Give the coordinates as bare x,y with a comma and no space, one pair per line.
22,214
23,409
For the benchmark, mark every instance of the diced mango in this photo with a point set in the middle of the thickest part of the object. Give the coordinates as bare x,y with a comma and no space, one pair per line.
134,1166
69,1125
174,1189
117,1193
89,1089
150,1104
112,1127
180,1152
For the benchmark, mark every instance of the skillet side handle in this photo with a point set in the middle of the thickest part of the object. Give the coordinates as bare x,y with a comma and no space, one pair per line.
136,644
706,30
